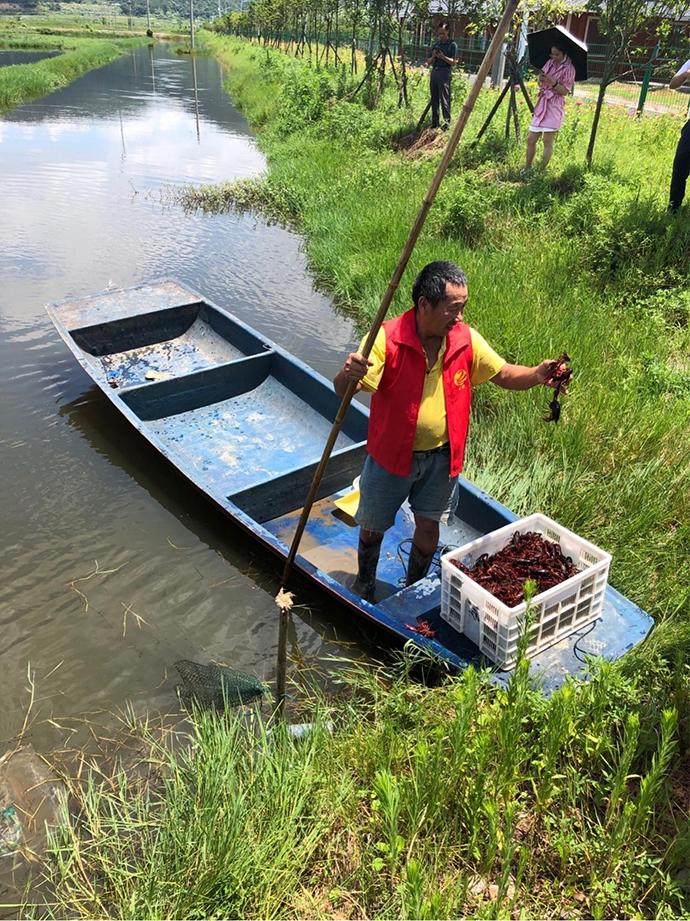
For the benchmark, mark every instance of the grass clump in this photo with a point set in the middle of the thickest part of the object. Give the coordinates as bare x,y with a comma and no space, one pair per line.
278,203
462,801
31,42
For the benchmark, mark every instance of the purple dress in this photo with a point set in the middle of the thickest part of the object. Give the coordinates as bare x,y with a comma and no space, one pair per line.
550,107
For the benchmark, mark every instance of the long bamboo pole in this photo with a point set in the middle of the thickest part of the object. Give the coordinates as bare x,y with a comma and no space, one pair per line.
284,599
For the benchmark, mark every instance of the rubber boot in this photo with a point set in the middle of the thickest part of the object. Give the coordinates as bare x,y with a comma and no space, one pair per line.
368,560
418,565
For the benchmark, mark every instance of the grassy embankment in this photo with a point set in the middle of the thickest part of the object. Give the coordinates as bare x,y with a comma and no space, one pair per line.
80,52
91,19
464,800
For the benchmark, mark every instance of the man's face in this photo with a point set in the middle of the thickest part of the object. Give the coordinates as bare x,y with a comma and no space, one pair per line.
442,33
439,319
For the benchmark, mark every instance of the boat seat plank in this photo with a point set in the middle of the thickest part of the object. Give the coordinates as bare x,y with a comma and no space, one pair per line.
114,305
280,495
200,389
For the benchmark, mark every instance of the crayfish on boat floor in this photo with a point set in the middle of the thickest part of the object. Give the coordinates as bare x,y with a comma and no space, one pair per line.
559,376
423,628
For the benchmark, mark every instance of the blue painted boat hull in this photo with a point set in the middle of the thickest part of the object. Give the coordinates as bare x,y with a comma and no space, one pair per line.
245,422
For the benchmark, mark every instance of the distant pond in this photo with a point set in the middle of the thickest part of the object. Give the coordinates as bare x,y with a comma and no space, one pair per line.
24,57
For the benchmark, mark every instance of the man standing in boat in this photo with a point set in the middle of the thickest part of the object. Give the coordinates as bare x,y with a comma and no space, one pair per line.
421,371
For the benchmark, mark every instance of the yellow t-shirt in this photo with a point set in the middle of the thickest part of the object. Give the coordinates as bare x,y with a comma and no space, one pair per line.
432,425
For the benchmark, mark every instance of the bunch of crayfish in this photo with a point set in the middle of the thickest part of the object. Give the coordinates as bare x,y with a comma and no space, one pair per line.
559,375
528,555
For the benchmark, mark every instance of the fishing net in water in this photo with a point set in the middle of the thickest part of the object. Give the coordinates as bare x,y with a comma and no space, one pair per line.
215,686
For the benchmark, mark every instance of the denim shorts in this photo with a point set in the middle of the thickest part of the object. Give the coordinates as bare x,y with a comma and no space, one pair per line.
429,488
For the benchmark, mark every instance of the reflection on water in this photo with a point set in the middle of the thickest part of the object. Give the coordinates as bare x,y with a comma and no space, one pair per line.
112,566
8,58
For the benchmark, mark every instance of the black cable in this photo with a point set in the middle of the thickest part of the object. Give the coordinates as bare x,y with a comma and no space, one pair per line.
579,653
404,555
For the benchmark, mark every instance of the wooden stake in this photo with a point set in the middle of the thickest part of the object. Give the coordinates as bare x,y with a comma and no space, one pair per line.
282,601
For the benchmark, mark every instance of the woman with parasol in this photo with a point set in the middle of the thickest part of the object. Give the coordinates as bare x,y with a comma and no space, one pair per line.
556,80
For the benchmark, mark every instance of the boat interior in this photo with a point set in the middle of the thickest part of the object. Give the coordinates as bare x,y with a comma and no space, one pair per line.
246,422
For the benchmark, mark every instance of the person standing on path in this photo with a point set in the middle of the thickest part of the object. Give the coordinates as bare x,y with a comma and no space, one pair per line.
556,80
442,58
681,161
421,372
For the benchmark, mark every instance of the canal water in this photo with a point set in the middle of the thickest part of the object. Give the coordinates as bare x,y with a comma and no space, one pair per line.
7,58
112,568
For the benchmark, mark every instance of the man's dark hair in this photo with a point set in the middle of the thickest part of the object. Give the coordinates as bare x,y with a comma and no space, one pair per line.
431,281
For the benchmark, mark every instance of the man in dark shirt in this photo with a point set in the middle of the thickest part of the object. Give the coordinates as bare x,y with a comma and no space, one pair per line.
442,58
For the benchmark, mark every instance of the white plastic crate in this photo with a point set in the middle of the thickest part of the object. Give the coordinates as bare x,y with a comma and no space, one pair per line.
493,626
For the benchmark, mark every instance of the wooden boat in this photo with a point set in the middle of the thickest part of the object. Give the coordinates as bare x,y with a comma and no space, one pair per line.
245,422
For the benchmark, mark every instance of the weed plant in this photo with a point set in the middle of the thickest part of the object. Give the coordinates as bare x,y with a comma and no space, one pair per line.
461,801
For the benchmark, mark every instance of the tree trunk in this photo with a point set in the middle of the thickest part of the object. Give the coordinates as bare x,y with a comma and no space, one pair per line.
606,78
355,23
403,98
335,47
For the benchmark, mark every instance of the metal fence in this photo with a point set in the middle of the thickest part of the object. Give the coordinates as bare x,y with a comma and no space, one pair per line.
641,84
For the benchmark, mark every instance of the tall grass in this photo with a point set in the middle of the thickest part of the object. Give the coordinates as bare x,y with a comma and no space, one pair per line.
31,41
463,801
23,82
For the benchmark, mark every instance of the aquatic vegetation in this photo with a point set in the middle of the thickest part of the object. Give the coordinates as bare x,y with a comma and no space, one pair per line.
278,203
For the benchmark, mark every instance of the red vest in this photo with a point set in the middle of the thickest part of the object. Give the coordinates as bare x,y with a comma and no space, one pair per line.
395,405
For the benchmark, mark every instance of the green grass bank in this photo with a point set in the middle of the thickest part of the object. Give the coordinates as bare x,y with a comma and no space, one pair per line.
455,802
23,82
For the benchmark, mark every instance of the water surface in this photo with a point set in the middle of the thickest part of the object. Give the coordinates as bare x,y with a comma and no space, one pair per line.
25,57
112,567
